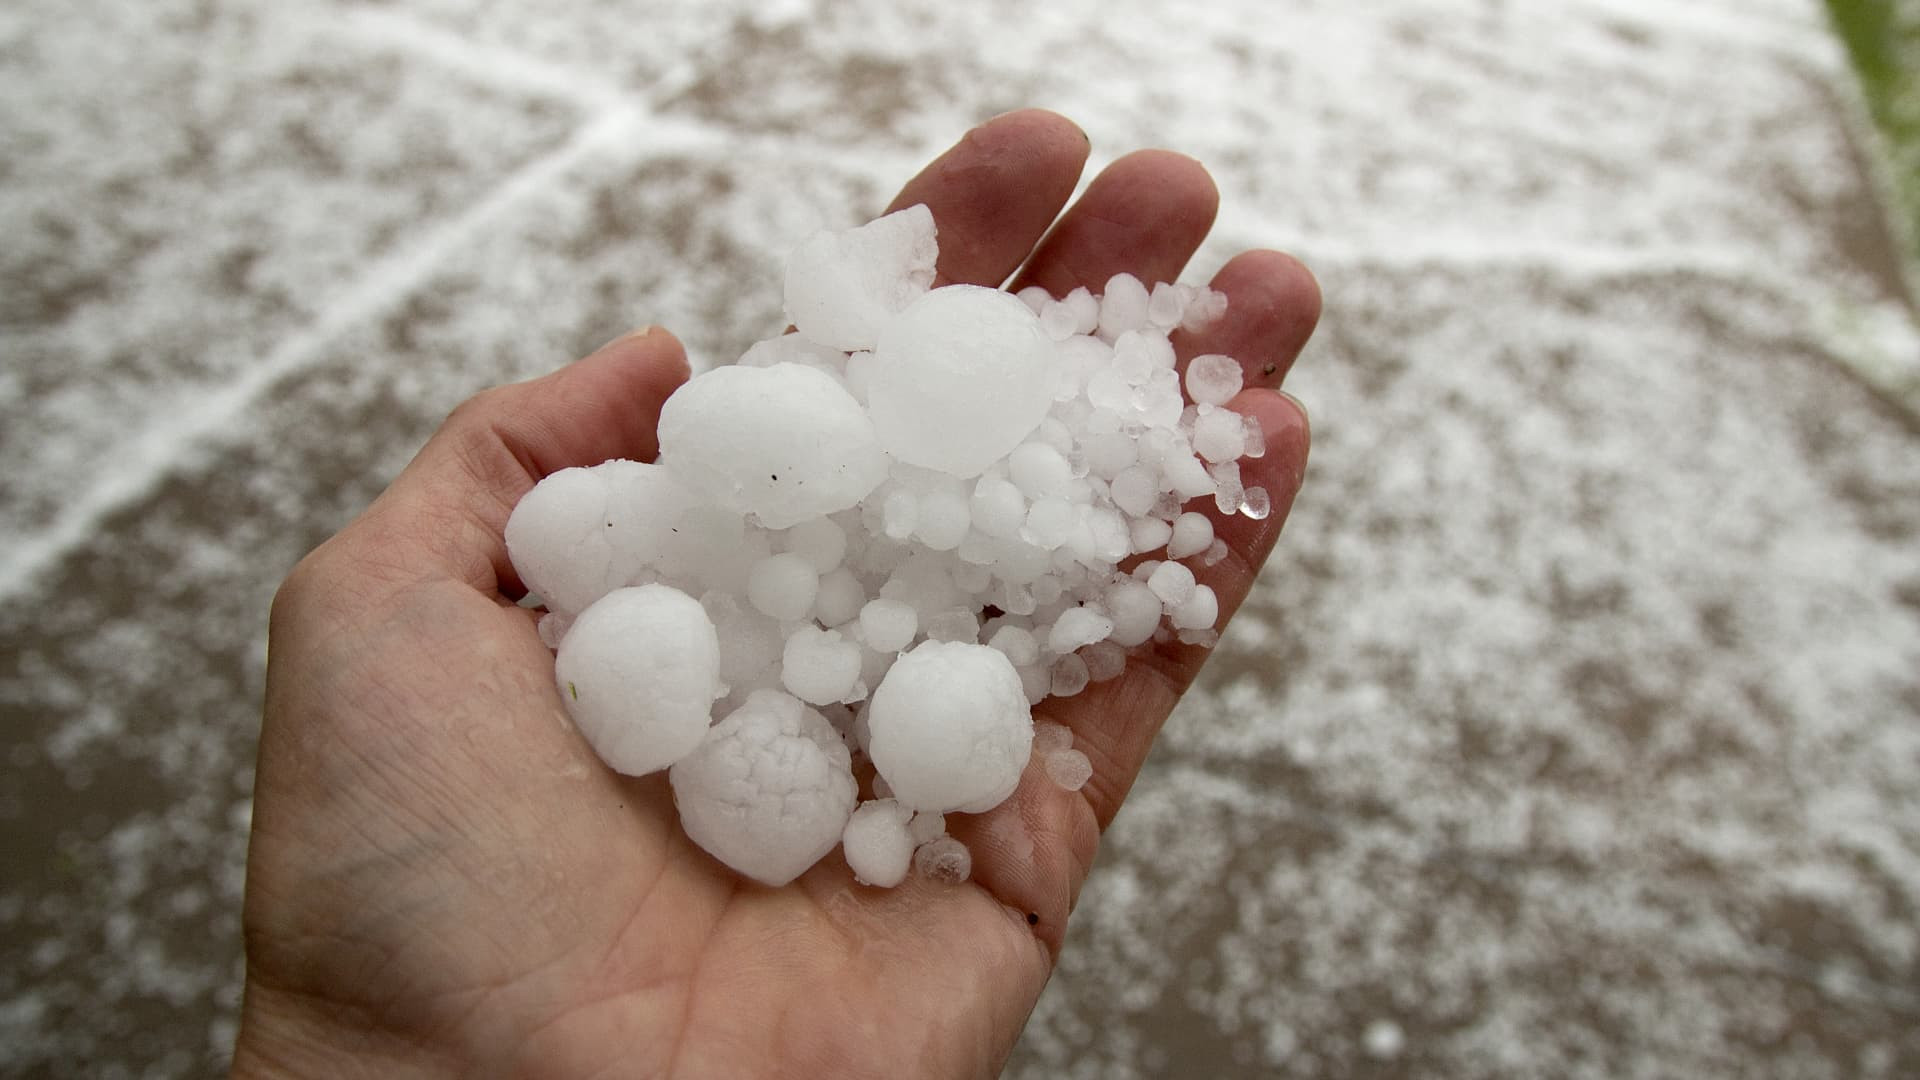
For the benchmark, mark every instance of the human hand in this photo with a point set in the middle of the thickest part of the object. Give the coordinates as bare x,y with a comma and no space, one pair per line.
444,878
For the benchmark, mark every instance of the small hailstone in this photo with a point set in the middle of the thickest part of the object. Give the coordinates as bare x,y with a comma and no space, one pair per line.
942,520
1134,489
750,642
842,286
1254,436
1204,308
1135,611
1049,736
1077,627
1069,769
1105,660
950,727
1187,476
785,443
963,377
783,586
1218,435
1216,551
925,827
1191,534
1257,504
1086,309
820,541
1213,379
954,624
1057,320
839,597
1049,523
1165,305
878,843
1038,469
819,666
583,532
1035,297
1149,534
900,513
638,672
1123,306
997,507
1199,611
1108,454
944,860
1069,676
770,789
1036,682
553,628
889,625
1172,583
1017,643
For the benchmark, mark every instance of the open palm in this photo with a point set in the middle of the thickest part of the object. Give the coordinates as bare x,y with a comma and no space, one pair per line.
444,879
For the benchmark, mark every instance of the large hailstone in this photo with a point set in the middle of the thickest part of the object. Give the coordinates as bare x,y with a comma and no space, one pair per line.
639,671
960,378
949,728
770,790
583,532
841,286
786,443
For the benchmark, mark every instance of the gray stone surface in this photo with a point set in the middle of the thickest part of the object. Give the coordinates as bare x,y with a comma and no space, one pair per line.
1573,731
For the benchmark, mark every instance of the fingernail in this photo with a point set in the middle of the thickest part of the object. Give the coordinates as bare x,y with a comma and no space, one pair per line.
1297,403
631,335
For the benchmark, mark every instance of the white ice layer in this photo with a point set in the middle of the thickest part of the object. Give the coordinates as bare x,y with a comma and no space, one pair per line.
905,525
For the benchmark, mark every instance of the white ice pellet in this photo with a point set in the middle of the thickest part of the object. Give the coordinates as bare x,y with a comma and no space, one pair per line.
1172,583
942,520
1165,306
1038,469
553,628
1135,611
1050,736
1105,660
820,541
783,586
950,727
1017,643
839,597
925,827
1035,297
769,790
1108,454
1204,308
889,625
962,378
1077,627
1057,320
1049,524
1123,306
1218,435
1086,309
1191,534
1256,503
878,843
944,860
997,507
1069,769
638,672
842,286
1134,490
1186,476
784,443
1216,551
819,666
1070,676
1149,534
1213,379
954,624
1199,611
583,532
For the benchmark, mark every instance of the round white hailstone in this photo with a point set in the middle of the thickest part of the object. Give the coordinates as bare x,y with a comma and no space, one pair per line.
950,727
819,666
888,625
1203,310
1255,435
1172,583
1135,611
583,532
1191,534
785,443
924,581
1035,297
858,373
1165,305
945,860
1187,475
1069,676
1134,490
1213,379
954,624
1258,504
1218,435
639,671
839,597
926,827
783,586
1077,627
997,507
1069,769
943,520
1149,534
1038,469
1086,309
878,844
1017,643
1112,540
769,791
820,541
963,377
1049,737
793,349
1198,611
1123,306
1108,454
1216,551
1105,660
1056,320
750,643
712,548
842,286
1049,523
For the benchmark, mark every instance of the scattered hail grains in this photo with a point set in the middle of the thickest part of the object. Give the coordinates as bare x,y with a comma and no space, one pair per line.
890,533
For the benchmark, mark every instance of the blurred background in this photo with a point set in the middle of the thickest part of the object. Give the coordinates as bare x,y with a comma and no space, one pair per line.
1573,731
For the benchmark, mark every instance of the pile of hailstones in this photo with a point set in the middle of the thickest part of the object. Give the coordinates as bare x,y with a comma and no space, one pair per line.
889,534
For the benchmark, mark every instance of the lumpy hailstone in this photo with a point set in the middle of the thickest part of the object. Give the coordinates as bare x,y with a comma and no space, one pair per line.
770,789
889,533
639,670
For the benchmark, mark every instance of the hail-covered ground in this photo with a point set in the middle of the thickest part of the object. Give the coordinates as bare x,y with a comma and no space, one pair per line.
1571,733
887,534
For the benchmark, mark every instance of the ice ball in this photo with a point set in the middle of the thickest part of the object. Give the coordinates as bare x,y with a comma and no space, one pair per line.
950,728
842,286
638,671
583,532
878,843
770,790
